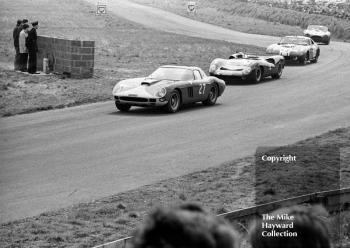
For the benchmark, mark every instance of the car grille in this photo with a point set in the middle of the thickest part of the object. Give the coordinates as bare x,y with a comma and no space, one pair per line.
133,99
226,69
316,38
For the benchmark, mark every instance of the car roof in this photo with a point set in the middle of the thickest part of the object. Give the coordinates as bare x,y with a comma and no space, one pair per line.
181,67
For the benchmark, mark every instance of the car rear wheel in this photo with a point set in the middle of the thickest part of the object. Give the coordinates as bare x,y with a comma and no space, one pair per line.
278,74
212,97
174,102
256,75
123,107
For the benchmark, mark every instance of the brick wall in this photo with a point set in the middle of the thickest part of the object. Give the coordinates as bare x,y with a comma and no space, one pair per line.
72,57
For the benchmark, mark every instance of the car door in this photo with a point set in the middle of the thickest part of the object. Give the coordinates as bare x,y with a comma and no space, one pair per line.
200,86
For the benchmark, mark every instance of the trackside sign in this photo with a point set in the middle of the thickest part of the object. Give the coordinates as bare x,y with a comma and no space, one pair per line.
191,7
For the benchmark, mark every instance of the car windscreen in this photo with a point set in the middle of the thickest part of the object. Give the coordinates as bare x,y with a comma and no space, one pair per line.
316,27
172,73
294,40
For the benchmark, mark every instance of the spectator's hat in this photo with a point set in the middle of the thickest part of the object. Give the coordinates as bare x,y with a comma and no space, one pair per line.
35,23
24,20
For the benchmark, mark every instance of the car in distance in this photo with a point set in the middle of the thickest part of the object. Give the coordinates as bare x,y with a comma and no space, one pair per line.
243,66
296,48
170,87
318,33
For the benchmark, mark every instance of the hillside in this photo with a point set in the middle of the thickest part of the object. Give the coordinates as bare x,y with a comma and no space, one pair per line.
253,18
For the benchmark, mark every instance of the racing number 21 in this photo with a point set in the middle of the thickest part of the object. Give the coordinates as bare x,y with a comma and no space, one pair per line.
201,89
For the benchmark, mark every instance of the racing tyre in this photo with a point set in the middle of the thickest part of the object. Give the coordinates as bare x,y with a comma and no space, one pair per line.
123,107
279,72
316,58
256,75
174,102
303,60
212,97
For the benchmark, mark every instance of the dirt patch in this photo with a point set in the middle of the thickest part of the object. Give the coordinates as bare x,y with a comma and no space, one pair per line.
227,187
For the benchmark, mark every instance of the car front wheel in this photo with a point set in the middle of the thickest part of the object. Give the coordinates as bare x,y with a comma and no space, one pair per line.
174,102
256,76
303,59
123,107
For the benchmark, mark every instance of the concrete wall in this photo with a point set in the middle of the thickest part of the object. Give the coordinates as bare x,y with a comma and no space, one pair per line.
72,57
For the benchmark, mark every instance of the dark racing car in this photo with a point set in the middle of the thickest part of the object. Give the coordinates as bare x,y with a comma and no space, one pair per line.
169,87
318,33
251,68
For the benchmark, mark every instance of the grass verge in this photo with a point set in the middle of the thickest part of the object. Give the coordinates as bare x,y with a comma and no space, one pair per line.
123,50
254,18
220,189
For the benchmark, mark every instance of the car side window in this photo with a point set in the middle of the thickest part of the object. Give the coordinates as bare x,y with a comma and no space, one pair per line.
197,75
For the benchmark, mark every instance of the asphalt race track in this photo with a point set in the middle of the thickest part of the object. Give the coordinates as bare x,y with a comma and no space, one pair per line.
57,158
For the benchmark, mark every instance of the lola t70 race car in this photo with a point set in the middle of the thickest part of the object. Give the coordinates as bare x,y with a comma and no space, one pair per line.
296,48
318,33
247,67
169,87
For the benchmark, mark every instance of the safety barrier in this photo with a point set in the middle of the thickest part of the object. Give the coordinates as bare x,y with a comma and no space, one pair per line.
333,201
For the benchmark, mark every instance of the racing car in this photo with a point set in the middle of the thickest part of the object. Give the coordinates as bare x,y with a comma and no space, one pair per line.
318,33
170,87
247,67
296,48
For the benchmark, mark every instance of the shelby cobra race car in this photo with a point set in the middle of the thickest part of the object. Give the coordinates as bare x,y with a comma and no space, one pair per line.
247,67
318,33
169,87
296,48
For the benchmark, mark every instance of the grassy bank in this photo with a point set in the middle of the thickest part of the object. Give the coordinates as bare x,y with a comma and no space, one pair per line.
220,189
123,50
253,18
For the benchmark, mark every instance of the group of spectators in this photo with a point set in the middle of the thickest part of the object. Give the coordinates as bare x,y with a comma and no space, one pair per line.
25,43
189,226
341,11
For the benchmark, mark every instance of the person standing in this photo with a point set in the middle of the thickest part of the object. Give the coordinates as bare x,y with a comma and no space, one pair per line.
23,51
32,48
16,32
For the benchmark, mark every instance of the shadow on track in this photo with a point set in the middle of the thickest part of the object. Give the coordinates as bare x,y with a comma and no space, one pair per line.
156,112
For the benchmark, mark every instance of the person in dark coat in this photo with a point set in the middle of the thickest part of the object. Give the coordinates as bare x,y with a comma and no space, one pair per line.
16,32
32,48
23,51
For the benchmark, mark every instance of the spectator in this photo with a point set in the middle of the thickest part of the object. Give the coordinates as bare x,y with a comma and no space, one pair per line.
308,224
22,47
32,48
16,32
24,21
187,226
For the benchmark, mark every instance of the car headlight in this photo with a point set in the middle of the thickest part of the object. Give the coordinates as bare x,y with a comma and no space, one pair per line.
161,92
118,88
213,67
247,70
